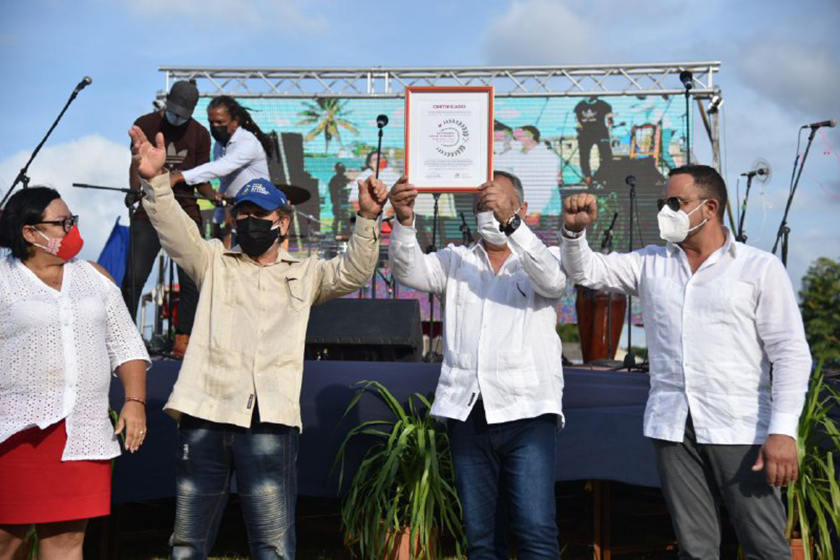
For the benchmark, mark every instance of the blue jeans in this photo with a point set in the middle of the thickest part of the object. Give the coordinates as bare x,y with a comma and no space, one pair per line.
263,458
505,473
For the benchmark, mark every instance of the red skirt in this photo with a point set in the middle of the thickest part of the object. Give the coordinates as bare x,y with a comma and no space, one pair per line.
36,486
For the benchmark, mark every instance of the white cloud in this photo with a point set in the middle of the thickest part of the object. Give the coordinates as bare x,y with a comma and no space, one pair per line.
92,160
802,77
540,32
242,15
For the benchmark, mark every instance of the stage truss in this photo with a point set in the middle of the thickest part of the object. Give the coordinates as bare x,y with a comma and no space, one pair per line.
582,80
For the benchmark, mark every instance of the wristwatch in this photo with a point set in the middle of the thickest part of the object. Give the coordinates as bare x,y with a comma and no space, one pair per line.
511,226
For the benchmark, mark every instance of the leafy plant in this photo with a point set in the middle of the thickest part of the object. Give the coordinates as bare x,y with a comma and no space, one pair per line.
405,481
820,297
814,499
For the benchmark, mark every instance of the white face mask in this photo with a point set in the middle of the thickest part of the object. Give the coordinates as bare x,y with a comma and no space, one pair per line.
488,228
674,226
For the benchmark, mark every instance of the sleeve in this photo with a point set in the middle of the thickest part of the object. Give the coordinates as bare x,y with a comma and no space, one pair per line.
238,155
540,264
178,233
350,271
780,328
413,268
121,335
616,272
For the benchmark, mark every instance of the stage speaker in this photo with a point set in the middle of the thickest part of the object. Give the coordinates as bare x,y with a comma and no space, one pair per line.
373,330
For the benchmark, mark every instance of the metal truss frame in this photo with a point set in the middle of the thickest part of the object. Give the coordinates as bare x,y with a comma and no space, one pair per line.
520,81
584,80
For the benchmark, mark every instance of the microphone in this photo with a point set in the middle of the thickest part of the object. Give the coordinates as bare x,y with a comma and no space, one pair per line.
382,121
609,233
86,81
759,172
829,123
630,180
686,77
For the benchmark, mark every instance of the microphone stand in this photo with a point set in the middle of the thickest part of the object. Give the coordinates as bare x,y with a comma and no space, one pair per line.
381,122
431,355
607,243
22,177
138,195
630,358
740,237
466,233
784,230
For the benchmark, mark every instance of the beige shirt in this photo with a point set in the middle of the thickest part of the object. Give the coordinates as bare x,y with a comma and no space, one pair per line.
250,325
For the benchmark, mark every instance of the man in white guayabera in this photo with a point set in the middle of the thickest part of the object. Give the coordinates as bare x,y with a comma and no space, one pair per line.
719,316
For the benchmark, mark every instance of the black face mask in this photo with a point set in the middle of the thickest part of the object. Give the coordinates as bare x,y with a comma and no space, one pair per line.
220,134
256,235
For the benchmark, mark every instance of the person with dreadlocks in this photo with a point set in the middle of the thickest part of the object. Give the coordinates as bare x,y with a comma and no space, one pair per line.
240,153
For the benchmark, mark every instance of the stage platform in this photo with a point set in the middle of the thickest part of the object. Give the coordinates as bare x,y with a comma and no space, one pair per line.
602,439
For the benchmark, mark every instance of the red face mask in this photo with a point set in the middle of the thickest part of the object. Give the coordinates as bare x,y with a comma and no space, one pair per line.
64,248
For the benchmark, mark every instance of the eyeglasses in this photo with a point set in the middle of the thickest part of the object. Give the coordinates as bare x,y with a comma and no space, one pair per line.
673,202
66,223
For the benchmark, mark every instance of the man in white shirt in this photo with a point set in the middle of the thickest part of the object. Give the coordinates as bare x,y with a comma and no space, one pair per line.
501,382
239,155
719,316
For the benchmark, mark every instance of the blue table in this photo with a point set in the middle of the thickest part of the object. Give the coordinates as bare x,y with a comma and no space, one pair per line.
602,439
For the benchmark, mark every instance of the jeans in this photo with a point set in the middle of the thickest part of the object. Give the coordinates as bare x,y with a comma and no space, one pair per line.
146,247
505,472
263,458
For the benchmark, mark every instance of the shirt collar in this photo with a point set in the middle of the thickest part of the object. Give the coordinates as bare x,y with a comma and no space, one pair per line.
282,255
729,244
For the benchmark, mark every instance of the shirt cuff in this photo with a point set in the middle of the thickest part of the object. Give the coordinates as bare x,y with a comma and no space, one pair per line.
403,234
365,228
189,175
784,424
523,239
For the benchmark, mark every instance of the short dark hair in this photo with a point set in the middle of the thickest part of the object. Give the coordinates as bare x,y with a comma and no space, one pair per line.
708,182
517,183
25,208
535,132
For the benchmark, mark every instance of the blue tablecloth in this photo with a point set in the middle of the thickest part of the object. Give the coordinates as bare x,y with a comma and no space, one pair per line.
602,438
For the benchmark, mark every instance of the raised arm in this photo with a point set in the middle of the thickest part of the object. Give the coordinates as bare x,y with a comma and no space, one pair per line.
617,272
409,264
540,264
179,236
349,272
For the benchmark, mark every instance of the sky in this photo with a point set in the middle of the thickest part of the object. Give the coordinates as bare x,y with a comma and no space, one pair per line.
780,70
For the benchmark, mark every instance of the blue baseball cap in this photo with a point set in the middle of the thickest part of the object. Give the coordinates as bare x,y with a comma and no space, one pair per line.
263,193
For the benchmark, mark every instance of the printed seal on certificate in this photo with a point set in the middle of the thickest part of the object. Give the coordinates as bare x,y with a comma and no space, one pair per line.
451,138
448,138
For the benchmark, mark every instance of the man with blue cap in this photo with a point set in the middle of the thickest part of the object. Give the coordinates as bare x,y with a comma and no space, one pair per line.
237,398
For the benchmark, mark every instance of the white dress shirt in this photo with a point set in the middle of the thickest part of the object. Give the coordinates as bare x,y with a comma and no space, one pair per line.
499,331
234,164
712,337
58,349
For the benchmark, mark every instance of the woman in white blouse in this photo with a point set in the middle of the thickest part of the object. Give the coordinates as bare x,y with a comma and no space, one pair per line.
63,330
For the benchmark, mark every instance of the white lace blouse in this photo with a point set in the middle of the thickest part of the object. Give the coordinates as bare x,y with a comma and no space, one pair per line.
57,351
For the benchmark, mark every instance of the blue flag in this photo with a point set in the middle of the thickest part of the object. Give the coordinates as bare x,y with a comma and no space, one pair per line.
115,251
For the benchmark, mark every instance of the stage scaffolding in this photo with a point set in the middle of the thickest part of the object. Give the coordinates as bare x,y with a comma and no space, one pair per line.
584,80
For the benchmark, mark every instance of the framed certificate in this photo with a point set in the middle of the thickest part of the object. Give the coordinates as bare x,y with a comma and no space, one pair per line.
448,138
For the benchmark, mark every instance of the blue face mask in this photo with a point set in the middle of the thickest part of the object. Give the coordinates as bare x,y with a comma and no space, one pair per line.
174,119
